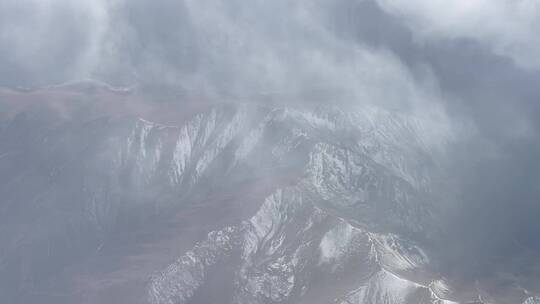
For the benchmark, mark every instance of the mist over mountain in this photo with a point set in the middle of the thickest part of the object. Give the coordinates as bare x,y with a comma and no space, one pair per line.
204,151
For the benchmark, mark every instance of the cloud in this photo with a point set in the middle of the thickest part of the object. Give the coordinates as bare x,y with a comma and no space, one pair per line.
508,27
246,51
48,40
234,50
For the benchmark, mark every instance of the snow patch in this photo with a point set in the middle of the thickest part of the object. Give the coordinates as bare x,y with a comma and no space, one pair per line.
335,242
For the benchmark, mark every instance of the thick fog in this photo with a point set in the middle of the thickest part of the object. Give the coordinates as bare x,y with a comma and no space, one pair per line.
473,65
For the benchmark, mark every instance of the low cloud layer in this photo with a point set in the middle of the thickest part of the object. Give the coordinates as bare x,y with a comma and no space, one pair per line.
234,50
509,28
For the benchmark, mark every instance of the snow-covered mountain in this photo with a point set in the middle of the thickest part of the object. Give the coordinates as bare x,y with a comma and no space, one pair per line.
254,205
342,233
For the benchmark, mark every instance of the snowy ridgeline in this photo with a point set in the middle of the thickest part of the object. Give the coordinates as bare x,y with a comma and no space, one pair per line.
290,248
